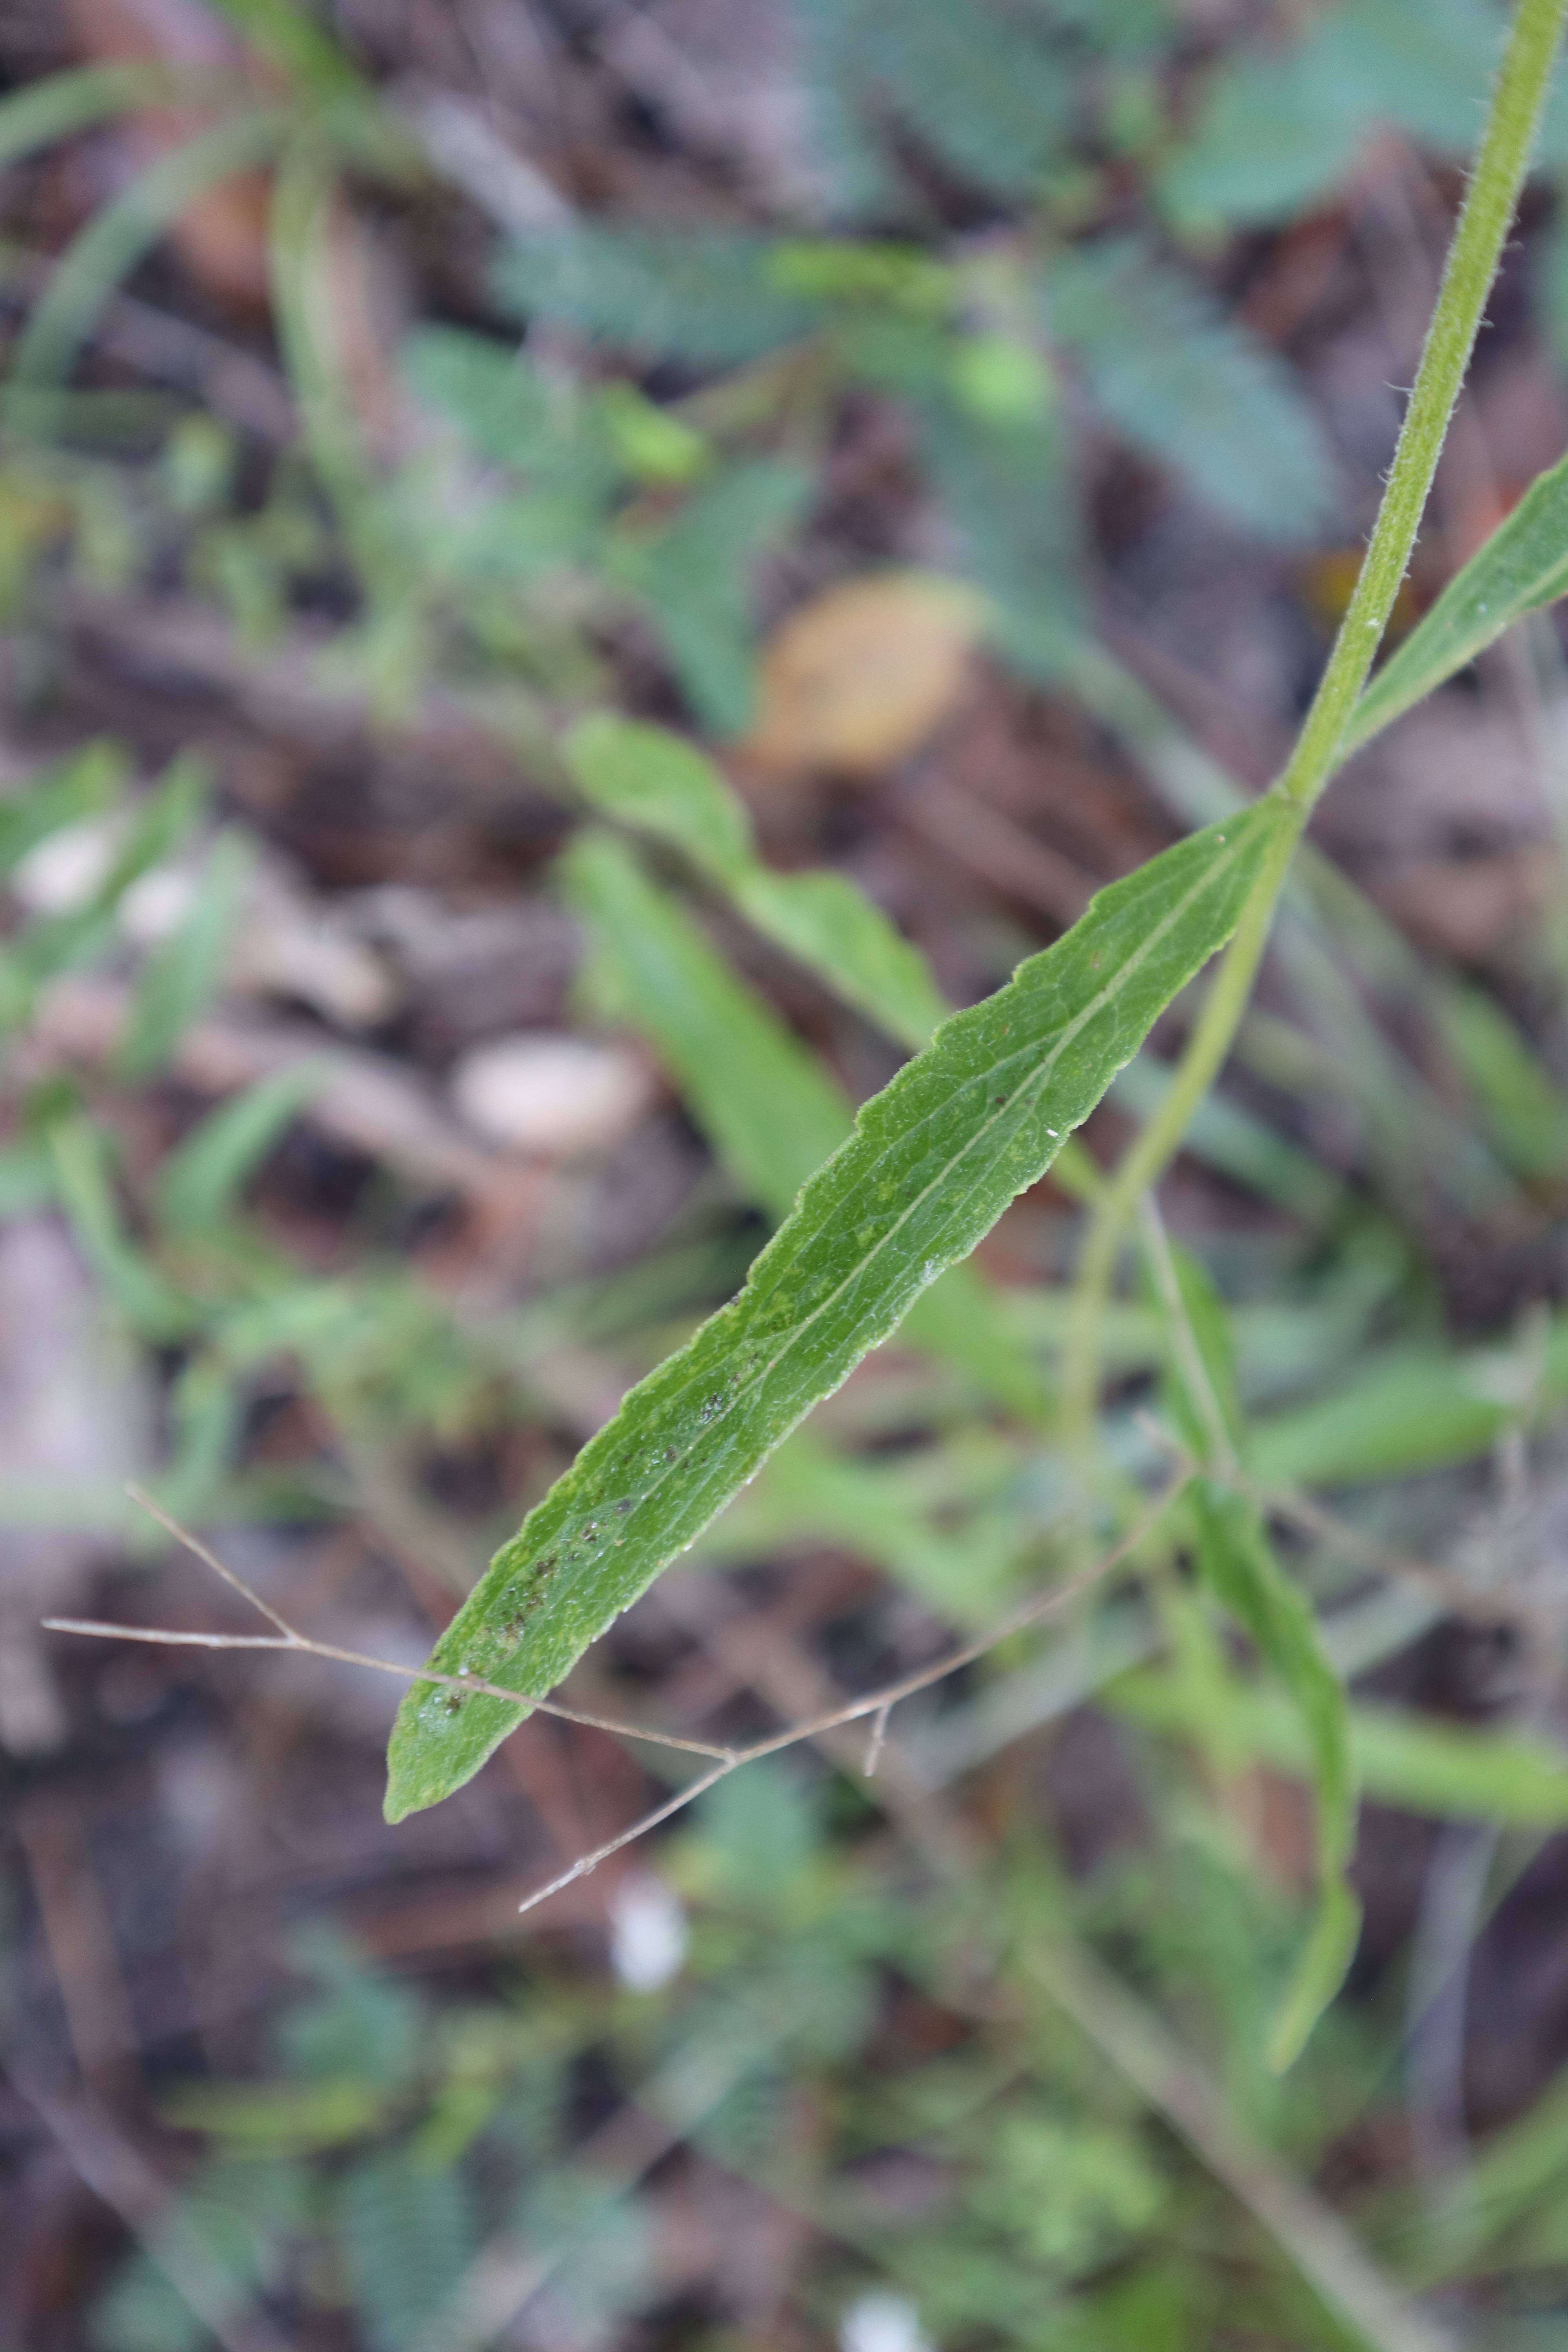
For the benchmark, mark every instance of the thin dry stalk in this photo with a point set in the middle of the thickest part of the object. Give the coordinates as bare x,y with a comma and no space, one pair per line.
877,1704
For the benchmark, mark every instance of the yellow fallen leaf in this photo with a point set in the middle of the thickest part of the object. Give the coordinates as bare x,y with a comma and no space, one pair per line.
862,674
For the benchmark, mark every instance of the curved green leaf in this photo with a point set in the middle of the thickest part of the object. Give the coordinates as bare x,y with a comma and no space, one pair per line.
121,232
934,1161
648,777
763,1101
1523,566
1238,1563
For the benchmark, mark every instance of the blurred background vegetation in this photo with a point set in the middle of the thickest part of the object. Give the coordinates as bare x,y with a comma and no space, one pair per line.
962,417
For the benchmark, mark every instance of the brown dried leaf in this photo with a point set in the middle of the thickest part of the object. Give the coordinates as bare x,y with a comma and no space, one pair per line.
860,676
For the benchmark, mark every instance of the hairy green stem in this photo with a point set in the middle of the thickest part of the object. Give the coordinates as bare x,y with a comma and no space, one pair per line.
1512,118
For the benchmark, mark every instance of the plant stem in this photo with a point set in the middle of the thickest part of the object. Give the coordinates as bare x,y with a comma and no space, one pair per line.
1517,100
1512,118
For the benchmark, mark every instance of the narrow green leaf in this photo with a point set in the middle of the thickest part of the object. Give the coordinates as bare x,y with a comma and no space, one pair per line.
1523,566
84,784
199,1179
120,232
1447,1771
183,971
934,1161
1403,1410
85,1184
1239,1565
40,112
648,777
1321,1967
1521,1105
296,44
765,1103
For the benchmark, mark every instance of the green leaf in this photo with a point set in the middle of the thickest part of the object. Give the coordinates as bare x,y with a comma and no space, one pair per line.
703,295
488,387
765,1104
85,1184
409,2234
1192,387
184,973
120,232
1278,127
1403,1410
978,86
1523,566
84,784
1449,1771
934,1161
278,2116
648,777
1522,1109
40,112
198,1182
692,580
293,41
1009,493
1239,1565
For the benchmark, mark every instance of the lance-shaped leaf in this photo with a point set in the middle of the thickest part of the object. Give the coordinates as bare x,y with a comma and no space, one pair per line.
1239,1565
768,1107
934,1161
1523,566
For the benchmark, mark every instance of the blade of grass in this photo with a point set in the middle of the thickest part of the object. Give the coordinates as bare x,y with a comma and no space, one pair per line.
117,238
1238,1562
1446,1770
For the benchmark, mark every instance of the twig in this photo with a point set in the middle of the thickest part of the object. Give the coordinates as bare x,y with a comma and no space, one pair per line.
210,1559
288,1637
1454,1592
878,1703
304,1645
